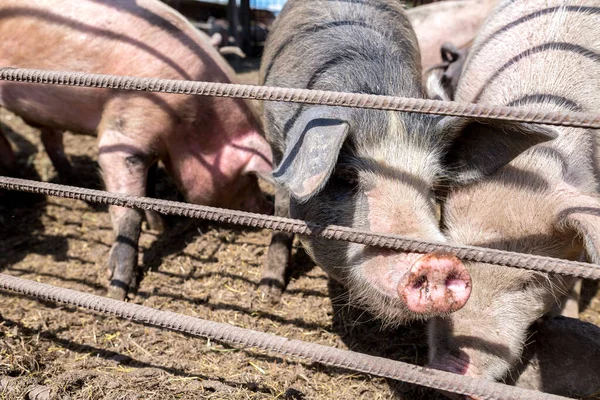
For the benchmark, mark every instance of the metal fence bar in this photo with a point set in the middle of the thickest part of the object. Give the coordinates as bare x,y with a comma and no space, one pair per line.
394,242
289,347
376,102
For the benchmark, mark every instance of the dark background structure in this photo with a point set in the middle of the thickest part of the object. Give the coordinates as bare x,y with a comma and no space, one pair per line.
247,23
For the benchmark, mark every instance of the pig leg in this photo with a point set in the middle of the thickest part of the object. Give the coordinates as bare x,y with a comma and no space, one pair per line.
53,143
124,168
272,280
154,219
7,156
570,308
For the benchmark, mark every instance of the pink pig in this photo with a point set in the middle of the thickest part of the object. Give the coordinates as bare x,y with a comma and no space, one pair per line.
212,147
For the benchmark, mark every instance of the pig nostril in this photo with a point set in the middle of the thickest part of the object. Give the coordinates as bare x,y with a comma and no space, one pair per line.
455,282
420,282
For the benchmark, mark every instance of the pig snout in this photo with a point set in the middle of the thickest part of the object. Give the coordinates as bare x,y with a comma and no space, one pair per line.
436,283
427,285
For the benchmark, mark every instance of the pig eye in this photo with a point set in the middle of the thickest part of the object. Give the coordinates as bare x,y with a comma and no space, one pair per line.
344,178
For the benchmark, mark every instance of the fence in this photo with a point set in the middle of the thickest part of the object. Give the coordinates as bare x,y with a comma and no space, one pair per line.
238,336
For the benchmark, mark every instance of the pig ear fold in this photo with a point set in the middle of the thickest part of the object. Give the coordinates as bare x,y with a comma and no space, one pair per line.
312,149
261,166
434,87
480,148
585,220
260,162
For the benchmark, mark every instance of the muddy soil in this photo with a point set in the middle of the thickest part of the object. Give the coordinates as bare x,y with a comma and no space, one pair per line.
194,268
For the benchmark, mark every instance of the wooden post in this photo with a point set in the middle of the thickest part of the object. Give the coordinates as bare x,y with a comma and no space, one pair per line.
232,16
245,19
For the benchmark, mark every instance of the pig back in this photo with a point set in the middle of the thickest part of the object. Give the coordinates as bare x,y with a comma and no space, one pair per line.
536,52
137,38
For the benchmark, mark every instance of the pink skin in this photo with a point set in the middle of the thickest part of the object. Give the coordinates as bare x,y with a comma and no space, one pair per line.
428,284
211,146
457,364
455,21
225,176
437,283
460,365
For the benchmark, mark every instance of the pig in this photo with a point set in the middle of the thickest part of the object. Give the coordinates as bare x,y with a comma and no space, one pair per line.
447,74
562,358
220,27
454,21
368,169
434,25
526,188
213,148
216,40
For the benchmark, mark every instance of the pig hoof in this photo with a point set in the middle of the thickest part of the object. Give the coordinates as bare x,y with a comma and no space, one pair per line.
117,290
155,221
272,289
436,284
120,290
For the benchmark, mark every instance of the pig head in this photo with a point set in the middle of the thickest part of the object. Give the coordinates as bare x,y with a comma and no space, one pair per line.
527,206
367,169
519,187
454,21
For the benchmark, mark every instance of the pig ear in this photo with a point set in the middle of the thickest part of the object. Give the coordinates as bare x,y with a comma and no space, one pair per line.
216,39
585,220
433,85
312,149
261,166
261,161
478,149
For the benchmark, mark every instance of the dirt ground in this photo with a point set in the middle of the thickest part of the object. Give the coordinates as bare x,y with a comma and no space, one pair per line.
194,268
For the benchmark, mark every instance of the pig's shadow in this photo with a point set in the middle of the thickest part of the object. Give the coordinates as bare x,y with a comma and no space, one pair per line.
86,173
179,231
364,333
21,226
